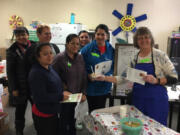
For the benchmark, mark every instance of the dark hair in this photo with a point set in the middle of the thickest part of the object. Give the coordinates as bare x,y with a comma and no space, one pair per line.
20,30
40,28
142,31
71,37
103,27
39,47
83,31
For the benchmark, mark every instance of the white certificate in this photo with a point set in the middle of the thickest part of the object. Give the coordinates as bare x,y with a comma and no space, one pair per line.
134,75
73,98
173,95
103,67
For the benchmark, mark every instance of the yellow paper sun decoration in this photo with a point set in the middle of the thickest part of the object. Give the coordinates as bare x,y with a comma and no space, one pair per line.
15,21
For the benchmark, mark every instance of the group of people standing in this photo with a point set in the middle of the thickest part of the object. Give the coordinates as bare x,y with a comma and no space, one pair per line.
40,73
20,59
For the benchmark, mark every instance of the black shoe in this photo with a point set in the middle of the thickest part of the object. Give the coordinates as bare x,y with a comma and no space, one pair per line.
19,133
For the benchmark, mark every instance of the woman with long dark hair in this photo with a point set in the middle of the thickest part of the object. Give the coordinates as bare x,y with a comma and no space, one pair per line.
46,87
99,50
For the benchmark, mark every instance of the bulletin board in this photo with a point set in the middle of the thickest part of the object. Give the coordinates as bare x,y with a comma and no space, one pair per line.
124,54
61,30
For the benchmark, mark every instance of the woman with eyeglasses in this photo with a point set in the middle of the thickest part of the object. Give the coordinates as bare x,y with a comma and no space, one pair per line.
151,98
71,68
44,35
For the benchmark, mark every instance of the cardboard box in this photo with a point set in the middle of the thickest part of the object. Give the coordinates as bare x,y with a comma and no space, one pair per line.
5,98
3,52
4,123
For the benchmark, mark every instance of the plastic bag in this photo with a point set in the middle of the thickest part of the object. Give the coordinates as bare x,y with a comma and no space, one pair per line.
81,110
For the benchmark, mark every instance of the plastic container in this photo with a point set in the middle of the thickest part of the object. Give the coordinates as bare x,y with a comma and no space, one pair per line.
72,18
1,68
130,130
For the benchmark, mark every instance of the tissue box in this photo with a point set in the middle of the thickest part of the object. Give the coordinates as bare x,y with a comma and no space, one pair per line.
5,98
4,124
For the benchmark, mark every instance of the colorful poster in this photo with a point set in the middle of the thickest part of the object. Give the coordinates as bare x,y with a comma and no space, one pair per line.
33,35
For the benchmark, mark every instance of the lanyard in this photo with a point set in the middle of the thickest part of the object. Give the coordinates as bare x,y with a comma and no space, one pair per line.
151,58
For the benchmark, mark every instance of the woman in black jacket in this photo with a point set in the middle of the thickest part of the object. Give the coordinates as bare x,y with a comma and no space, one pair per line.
17,75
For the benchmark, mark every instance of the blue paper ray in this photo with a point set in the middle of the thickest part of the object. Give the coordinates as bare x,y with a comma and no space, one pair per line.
134,30
128,12
141,18
116,31
129,9
117,14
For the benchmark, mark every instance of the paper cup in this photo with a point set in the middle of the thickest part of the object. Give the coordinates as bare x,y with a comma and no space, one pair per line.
123,111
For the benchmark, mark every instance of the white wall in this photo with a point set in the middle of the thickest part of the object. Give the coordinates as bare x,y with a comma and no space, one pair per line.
163,15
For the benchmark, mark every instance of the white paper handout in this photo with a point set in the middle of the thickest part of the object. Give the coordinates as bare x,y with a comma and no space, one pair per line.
134,75
173,95
73,98
103,67
109,120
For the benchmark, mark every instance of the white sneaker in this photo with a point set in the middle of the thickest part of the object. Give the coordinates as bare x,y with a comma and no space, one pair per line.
79,126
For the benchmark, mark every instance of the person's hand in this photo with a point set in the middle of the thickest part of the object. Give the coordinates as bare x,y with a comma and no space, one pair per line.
111,79
91,76
83,98
163,81
100,78
15,93
149,78
66,95
65,87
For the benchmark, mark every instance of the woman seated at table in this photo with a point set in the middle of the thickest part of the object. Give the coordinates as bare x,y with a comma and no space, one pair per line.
151,98
46,87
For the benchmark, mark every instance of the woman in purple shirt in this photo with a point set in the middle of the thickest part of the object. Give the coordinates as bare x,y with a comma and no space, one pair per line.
71,68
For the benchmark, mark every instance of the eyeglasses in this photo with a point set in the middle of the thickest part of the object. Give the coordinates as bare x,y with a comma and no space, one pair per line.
47,33
74,44
81,37
21,35
143,37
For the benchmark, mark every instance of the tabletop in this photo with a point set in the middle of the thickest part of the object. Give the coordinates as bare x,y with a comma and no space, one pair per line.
107,122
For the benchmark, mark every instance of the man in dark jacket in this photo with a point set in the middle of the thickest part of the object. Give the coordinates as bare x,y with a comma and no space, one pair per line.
17,75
